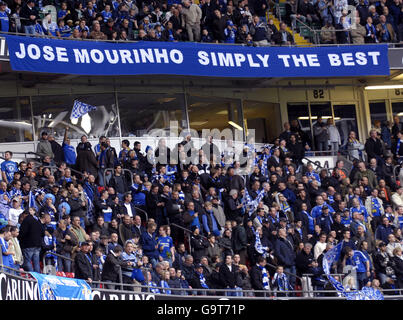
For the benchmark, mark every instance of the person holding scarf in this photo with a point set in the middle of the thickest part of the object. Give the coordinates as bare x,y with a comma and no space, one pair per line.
285,207
199,281
375,209
260,278
370,36
281,283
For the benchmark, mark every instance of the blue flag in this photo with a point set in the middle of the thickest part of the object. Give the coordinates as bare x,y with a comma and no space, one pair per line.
366,293
80,109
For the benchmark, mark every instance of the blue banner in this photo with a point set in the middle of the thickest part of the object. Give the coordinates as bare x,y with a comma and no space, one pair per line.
60,288
193,59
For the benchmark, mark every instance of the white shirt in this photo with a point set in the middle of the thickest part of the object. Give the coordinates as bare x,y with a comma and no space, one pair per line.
129,209
13,215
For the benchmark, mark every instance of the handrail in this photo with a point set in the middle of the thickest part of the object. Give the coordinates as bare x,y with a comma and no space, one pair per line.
266,294
145,212
391,45
71,169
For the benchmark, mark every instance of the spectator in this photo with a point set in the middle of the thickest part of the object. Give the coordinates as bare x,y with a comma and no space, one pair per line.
385,31
327,33
30,237
82,265
192,15
283,37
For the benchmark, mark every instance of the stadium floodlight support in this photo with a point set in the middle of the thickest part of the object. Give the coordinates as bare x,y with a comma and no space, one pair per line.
236,126
384,87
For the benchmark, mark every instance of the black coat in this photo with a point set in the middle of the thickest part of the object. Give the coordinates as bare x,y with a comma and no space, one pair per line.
199,247
86,161
239,240
31,233
57,151
227,277
111,266
256,278
82,267
26,12
373,148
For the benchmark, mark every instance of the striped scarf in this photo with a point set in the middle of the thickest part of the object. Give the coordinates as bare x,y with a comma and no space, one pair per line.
265,277
90,211
249,204
258,244
203,281
281,282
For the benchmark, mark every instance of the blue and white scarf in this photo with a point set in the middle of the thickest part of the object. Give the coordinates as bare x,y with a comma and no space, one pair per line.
202,280
265,277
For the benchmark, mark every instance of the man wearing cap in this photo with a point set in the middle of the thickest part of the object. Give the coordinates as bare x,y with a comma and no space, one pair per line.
44,148
82,264
325,220
199,281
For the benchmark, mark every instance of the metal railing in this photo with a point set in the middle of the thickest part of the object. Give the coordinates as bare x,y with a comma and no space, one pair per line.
202,236
390,45
302,294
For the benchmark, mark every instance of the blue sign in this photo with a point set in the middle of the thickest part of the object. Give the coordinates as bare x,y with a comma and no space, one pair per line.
60,288
193,59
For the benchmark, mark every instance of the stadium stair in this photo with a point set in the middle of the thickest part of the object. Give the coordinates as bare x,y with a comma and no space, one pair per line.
298,38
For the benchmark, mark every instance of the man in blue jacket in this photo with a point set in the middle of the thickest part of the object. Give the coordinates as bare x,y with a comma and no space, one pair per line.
149,243
384,230
285,254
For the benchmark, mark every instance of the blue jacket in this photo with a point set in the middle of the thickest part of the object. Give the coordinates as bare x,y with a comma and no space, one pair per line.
382,232
290,196
148,243
284,253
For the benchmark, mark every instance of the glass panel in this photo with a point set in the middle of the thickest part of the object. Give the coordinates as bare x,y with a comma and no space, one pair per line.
15,123
264,117
377,111
397,108
52,113
299,114
213,113
346,121
141,113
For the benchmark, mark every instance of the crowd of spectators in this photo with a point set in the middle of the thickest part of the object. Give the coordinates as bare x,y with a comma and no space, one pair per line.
206,223
220,21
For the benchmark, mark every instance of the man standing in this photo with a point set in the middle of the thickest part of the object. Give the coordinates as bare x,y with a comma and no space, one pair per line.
357,259
82,264
320,134
44,147
373,146
8,168
259,277
192,15
29,13
284,251
30,237
68,150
